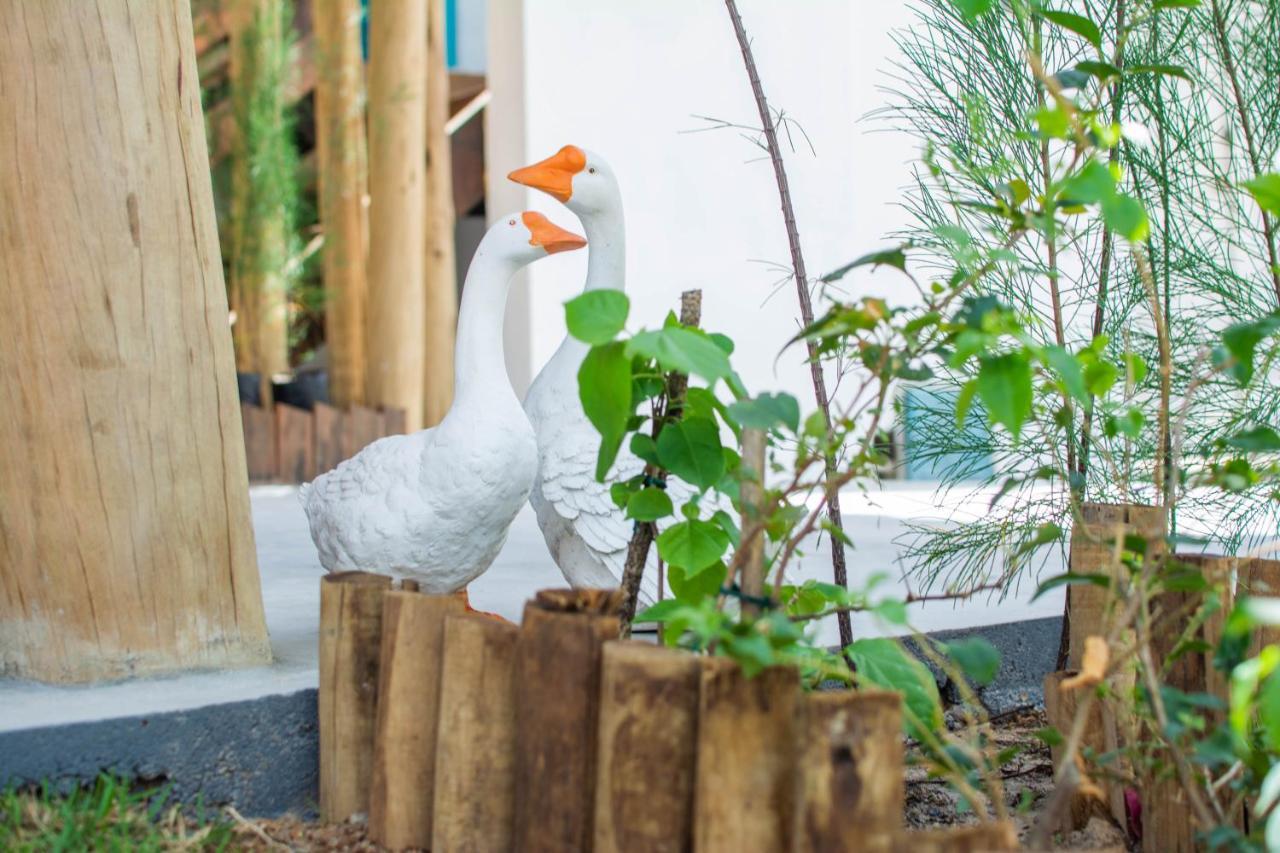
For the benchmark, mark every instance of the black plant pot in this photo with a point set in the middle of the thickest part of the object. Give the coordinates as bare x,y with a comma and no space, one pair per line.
250,387
304,390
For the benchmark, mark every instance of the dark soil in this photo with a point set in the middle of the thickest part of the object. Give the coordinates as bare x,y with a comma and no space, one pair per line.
930,803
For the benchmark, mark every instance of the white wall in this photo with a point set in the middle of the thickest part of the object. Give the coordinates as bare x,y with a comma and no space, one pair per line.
625,79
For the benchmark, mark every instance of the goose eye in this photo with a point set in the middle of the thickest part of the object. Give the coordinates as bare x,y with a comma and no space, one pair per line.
511,222
592,170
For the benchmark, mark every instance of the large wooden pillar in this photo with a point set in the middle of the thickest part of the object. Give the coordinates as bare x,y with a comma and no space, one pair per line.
397,190
340,143
125,538
441,277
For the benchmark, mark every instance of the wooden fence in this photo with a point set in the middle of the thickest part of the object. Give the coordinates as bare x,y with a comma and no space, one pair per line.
454,730
286,444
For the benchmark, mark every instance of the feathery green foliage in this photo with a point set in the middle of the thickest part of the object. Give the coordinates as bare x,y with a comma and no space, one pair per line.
1194,89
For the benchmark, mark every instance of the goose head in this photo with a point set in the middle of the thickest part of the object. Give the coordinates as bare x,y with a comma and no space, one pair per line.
578,178
526,237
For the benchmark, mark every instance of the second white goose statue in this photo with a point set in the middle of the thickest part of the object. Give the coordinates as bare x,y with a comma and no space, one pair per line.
435,506
585,531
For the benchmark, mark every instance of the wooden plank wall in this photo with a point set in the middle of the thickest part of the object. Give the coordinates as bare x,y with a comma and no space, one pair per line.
286,444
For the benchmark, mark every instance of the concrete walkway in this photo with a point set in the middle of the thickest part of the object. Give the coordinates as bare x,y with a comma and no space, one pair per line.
290,585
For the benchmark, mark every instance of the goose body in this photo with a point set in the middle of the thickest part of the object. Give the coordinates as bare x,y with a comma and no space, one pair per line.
586,533
436,505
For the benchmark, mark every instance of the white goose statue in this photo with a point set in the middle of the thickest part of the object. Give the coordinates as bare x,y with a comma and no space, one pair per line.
585,531
435,506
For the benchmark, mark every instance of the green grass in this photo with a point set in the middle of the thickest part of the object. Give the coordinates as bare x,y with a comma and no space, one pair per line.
109,816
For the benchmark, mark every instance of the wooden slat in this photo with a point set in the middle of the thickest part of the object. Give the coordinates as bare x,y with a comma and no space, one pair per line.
364,426
329,436
295,444
259,443
393,422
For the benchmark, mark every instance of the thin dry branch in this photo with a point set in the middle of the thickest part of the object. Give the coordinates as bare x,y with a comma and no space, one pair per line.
838,567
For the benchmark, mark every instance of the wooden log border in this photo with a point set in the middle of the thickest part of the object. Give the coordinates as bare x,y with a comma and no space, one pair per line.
286,444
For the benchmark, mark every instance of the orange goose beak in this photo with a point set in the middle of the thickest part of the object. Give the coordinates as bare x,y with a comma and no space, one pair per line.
554,175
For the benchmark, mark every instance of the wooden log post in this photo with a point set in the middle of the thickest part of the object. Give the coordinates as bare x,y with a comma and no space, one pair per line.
259,443
558,696
1060,708
1093,544
440,270
294,444
342,176
402,792
363,427
744,788
330,437
350,645
259,240
850,782
397,140
647,748
474,810
126,546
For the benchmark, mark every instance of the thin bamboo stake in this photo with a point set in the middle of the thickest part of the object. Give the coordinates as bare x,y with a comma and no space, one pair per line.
752,489
397,187
441,277
342,176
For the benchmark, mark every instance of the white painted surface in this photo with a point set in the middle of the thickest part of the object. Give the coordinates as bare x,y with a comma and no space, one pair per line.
625,79
291,592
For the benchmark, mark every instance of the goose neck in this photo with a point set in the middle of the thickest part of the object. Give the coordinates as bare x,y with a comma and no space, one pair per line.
606,249
479,362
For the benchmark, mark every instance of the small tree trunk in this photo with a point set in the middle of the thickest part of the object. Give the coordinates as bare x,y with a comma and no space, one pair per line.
752,489
125,538
397,140
350,646
342,181
441,274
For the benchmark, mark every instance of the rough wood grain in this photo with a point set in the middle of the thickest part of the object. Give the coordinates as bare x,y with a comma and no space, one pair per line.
397,139
295,444
439,265
850,783
402,791
342,181
125,546
474,808
647,748
259,443
330,437
1060,711
1093,552
744,789
558,695
350,645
